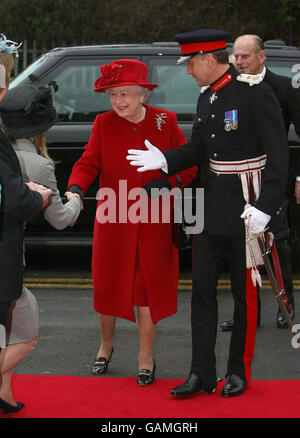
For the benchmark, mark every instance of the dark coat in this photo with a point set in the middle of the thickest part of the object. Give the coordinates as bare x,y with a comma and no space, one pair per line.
260,131
18,204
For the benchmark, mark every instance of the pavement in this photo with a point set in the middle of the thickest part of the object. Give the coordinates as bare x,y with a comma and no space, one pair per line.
69,335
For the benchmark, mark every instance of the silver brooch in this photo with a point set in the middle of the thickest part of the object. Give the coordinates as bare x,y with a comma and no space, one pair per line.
159,119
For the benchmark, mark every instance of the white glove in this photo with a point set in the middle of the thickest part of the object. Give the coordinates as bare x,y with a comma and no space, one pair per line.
151,159
255,219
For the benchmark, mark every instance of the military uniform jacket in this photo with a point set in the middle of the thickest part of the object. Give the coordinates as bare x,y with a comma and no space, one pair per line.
260,131
289,101
18,203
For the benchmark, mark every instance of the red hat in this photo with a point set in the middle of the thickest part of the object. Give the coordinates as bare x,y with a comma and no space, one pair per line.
123,72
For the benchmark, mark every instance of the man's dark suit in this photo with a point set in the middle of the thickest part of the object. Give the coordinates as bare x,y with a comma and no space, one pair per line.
18,204
289,100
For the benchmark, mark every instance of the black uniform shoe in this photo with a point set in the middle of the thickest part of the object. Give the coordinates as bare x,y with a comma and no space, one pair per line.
280,320
227,326
234,386
191,386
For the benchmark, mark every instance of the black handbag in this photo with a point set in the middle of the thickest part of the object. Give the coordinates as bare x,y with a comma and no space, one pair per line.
181,239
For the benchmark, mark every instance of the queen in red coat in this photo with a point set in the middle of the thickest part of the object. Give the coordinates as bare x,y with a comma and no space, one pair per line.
134,262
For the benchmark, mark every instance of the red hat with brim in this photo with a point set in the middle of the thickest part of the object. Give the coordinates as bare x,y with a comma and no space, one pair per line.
123,72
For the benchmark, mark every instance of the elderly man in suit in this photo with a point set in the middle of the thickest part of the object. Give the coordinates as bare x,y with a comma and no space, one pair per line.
248,51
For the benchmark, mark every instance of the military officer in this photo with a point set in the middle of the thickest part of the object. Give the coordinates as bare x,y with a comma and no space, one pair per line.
239,139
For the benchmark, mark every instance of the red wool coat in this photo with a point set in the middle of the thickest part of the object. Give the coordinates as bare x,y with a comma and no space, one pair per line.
116,244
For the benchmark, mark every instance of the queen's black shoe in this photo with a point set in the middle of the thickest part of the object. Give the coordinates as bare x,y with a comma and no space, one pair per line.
101,364
10,409
146,377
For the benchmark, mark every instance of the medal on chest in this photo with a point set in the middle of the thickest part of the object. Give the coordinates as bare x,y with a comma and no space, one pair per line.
231,120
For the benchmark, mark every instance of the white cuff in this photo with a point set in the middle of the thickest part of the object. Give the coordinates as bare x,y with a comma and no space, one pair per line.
297,178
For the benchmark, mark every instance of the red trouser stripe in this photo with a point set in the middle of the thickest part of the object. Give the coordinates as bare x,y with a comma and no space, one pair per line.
251,299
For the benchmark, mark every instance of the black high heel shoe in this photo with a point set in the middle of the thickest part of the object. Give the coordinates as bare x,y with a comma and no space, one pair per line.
8,408
101,364
145,376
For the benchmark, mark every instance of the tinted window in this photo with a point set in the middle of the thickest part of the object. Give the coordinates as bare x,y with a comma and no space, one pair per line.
177,91
281,68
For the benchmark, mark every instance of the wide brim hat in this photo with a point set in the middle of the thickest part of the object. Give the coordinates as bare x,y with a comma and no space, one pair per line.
28,110
200,42
123,72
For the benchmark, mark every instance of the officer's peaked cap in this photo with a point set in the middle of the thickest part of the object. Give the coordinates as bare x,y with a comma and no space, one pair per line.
200,42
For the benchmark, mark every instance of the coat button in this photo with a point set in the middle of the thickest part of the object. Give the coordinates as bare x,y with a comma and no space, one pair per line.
199,120
135,129
215,155
212,116
213,135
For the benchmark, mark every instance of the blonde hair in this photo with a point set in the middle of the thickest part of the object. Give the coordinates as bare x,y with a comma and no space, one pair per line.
40,144
8,62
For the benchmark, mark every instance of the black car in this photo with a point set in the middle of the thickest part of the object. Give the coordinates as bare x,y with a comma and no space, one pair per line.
75,70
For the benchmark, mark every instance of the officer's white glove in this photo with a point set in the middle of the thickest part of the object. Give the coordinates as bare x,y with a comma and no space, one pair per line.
255,219
151,159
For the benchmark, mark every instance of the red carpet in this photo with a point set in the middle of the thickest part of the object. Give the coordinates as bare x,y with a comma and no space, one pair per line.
105,397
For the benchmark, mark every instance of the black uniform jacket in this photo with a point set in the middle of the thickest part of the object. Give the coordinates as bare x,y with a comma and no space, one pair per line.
260,131
289,100
18,203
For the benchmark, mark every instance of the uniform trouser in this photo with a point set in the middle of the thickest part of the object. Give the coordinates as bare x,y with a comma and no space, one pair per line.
209,255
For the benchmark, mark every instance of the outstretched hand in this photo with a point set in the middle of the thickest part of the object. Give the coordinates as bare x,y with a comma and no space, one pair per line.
151,159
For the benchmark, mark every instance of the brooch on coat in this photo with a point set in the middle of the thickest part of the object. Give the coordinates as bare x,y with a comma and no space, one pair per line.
160,120
250,79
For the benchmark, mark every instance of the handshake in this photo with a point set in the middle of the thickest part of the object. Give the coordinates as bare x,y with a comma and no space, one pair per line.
43,191
46,193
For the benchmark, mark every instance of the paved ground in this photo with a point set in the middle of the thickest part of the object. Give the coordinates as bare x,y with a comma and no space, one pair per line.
69,337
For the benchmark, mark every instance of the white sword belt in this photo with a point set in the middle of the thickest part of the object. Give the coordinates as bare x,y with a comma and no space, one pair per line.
249,172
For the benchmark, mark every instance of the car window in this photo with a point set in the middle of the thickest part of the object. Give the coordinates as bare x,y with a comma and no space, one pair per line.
177,91
281,68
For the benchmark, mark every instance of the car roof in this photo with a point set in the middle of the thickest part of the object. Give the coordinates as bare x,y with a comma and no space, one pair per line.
274,48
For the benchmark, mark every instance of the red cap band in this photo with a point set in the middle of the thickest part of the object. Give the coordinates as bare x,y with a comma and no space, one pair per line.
204,47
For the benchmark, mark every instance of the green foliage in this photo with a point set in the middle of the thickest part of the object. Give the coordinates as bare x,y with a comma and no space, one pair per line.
67,22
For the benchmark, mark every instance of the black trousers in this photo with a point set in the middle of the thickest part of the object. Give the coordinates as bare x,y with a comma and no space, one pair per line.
4,306
209,255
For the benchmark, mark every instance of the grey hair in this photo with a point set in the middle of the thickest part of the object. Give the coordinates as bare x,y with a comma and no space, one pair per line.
258,44
143,91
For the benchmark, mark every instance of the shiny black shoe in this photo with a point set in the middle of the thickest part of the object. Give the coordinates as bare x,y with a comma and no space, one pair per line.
191,386
234,386
101,364
8,408
280,320
227,326
146,377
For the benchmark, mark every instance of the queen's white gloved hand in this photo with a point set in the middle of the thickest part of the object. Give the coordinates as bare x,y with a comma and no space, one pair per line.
151,159
255,219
